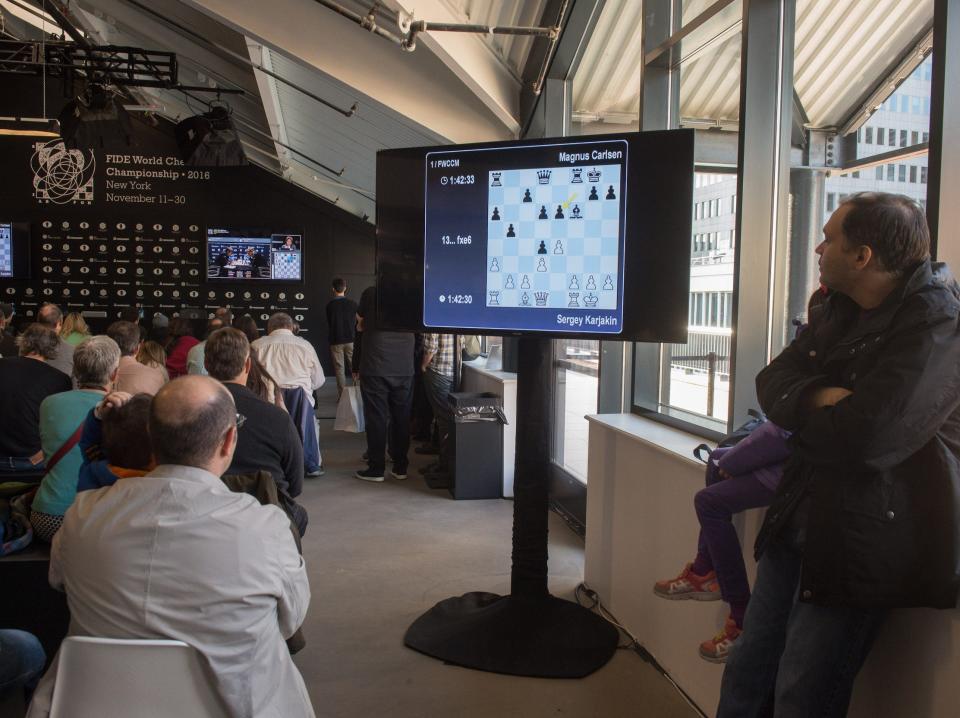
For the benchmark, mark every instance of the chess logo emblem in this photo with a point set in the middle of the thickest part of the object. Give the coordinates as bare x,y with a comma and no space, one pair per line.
60,175
543,176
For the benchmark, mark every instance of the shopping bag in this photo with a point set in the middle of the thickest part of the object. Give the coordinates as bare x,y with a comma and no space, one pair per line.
349,411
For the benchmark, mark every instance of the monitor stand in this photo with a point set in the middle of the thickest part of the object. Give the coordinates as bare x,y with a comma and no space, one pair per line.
528,632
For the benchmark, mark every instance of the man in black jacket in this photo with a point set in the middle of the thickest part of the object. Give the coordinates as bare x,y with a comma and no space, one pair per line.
266,436
865,518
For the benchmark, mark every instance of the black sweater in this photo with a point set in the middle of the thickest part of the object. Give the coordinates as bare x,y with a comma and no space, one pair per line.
269,441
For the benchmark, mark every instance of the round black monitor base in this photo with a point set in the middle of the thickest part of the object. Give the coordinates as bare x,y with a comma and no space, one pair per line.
544,637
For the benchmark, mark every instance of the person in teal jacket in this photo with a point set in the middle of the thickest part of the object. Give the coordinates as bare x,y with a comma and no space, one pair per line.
95,364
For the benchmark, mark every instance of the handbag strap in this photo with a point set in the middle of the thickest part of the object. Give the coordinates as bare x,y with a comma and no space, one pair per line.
65,449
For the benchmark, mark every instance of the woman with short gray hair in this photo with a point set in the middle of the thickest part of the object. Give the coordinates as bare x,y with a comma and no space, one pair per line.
95,364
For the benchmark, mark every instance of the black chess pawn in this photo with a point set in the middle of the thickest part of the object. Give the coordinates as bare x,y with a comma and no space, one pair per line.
526,196
543,247
543,212
496,214
559,214
593,193
610,193
510,232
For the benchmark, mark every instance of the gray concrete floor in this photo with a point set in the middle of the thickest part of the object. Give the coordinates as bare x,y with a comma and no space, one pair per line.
379,555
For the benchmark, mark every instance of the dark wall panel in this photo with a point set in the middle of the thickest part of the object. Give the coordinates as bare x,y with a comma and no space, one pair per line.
124,224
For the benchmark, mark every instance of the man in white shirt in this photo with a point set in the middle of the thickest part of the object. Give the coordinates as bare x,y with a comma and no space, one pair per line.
175,554
290,360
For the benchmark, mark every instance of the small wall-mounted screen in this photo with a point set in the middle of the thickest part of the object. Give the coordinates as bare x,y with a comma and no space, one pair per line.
261,255
14,250
6,249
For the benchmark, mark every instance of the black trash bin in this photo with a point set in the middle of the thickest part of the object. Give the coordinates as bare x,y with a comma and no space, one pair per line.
476,454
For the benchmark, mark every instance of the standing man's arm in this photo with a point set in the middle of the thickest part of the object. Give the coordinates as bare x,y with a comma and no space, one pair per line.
898,406
431,343
785,385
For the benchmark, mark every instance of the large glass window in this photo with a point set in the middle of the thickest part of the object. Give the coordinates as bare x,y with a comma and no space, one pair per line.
913,124
576,365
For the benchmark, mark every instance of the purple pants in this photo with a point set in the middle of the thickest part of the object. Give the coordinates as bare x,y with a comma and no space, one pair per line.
718,547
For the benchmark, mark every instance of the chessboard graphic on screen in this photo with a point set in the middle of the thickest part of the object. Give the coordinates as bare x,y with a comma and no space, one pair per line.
6,249
286,265
553,237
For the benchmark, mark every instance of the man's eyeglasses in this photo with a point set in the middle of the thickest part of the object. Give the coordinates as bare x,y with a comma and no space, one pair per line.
241,420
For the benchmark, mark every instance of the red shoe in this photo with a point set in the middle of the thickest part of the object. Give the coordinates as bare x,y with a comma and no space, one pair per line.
689,585
717,648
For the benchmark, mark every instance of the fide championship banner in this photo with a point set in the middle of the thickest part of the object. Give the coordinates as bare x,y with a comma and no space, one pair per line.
121,225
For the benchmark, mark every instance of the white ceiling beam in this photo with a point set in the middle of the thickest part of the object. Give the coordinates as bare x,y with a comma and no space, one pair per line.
259,55
415,85
470,57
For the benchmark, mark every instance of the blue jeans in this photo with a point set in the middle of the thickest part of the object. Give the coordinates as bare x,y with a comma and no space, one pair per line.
17,465
21,660
805,657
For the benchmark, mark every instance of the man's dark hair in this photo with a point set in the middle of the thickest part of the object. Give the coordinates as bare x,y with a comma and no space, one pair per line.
339,284
213,325
123,432
225,354
126,335
247,325
130,314
180,327
191,438
6,311
892,225
280,320
39,339
50,315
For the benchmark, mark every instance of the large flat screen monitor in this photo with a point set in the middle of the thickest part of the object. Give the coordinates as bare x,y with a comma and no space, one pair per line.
587,236
14,250
240,255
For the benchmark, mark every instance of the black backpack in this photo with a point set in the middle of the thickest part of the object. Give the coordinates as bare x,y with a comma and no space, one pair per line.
734,437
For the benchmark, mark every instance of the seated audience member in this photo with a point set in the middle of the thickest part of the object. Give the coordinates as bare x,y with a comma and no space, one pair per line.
290,360
195,355
8,340
177,555
113,443
21,662
51,316
267,439
153,355
25,381
180,341
741,477
159,328
262,384
62,416
247,325
133,376
74,329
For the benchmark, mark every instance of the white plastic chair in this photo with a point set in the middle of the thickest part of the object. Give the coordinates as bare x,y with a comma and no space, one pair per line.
112,678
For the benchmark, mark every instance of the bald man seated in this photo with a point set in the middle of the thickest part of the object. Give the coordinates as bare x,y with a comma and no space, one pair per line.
175,554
